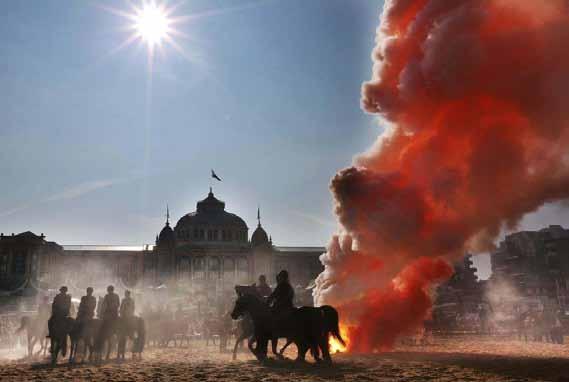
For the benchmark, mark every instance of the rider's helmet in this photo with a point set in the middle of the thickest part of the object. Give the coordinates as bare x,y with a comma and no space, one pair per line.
110,289
89,291
282,276
63,289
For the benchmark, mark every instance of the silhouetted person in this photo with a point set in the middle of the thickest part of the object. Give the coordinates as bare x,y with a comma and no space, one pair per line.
127,306
263,288
87,306
111,304
281,300
59,308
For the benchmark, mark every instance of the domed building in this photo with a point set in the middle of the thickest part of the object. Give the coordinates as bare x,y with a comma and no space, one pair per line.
211,246
208,249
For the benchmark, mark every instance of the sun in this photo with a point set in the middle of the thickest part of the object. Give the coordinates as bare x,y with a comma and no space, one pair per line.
152,24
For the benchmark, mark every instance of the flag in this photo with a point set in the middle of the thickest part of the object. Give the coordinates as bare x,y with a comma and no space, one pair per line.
214,175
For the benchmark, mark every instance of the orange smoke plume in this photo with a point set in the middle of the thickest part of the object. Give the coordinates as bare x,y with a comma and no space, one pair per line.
472,95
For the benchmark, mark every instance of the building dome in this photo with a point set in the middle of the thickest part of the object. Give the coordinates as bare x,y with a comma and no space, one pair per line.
166,235
259,237
210,222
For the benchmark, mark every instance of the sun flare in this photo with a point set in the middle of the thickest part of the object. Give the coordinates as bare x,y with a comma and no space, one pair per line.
152,24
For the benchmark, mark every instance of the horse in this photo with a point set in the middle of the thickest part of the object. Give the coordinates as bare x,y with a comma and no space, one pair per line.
133,328
36,329
107,331
307,327
61,328
87,331
123,329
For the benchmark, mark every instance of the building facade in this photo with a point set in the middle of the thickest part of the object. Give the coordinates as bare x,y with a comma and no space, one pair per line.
534,265
208,250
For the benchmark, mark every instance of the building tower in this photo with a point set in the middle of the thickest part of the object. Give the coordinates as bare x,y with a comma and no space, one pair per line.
262,250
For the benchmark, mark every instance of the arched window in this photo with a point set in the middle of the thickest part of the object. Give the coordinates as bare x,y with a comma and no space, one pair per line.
228,269
185,268
196,233
214,267
242,270
199,268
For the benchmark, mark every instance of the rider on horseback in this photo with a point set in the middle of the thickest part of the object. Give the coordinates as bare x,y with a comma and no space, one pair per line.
87,306
127,306
263,288
111,304
59,308
281,300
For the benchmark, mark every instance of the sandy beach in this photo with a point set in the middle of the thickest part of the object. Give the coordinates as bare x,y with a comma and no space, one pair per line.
465,359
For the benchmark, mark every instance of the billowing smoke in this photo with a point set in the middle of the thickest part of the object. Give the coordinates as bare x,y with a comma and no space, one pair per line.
473,96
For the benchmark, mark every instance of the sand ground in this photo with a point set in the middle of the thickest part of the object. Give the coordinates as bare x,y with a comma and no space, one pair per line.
457,359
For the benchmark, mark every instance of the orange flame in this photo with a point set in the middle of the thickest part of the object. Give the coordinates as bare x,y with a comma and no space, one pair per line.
335,345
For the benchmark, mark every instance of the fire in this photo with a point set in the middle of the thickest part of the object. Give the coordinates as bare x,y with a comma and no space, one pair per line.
335,345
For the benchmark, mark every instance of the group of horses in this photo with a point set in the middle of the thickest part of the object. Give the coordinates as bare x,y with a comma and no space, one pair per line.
94,334
308,328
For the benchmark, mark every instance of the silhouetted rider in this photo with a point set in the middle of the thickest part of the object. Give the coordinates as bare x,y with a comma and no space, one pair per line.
59,308
127,305
111,304
87,306
281,300
263,288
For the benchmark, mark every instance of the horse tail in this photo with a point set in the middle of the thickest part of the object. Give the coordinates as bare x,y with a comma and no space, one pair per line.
332,323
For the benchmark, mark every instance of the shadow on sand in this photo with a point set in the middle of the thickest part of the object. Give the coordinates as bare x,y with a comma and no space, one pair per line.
550,369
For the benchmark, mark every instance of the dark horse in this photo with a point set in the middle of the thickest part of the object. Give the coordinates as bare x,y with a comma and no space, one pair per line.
133,329
86,331
36,329
62,327
123,328
306,327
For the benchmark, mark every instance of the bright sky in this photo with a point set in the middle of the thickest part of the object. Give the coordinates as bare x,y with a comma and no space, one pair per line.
265,92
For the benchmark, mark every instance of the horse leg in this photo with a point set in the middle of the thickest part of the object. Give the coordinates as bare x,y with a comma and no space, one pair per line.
325,347
238,341
274,345
72,350
302,349
30,345
288,342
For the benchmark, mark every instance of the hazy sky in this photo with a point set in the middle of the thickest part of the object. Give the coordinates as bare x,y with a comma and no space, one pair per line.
266,93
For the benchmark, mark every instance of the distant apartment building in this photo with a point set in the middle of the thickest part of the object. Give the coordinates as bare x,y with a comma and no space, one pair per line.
535,264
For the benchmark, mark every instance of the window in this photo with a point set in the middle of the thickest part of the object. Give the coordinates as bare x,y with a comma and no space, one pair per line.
228,269
196,233
199,268
214,266
242,270
19,263
209,234
4,260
